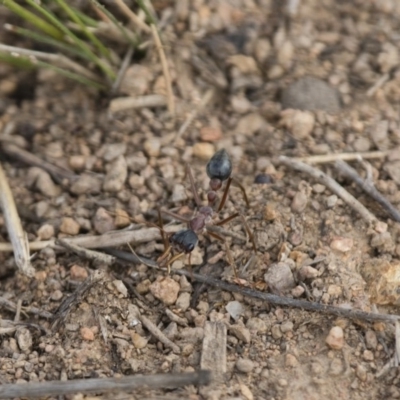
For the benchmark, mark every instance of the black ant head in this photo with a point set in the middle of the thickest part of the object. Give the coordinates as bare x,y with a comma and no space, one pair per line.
184,240
220,166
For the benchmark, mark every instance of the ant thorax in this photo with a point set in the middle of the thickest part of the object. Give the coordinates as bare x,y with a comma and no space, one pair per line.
204,217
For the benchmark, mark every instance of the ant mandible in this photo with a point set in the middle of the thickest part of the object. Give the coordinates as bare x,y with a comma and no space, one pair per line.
219,170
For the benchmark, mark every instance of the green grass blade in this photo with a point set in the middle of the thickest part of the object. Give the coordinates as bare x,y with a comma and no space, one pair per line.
20,62
85,18
82,45
28,16
71,75
47,40
70,12
147,12
135,42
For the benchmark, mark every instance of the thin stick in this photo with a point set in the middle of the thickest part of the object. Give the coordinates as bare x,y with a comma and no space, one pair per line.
130,103
59,59
11,306
193,185
368,188
328,158
58,174
332,185
270,298
122,70
125,383
164,65
96,256
133,17
193,115
378,84
14,227
153,329
110,239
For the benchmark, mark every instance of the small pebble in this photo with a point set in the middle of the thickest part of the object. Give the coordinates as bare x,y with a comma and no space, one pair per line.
244,365
279,277
78,273
331,201
235,309
45,232
361,144
241,332
291,361
368,355
256,325
336,367
250,124
87,333
311,93
335,338
299,202
24,339
77,163
286,326
113,151
298,291
178,193
299,123
308,272
165,290
210,133
152,147
342,244
122,219
43,182
57,295
204,151
86,184
69,226
371,340
138,341
103,222
183,301
276,331
116,175
120,286
361,372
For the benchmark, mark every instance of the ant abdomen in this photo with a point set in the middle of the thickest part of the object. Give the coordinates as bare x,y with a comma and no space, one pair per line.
185,240
220,166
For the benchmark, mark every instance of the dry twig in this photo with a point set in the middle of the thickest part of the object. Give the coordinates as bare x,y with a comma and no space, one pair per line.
192,116
109,239
332,185
368,188
270,298
164,65
100,258
15,231
328,158
75,298
58,174
130,103
125,383
133,17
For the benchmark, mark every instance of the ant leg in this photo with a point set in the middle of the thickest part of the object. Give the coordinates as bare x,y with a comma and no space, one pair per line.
176,216
249,233
172,260
193,185
229,256
161,226
225,195
226,220
240,186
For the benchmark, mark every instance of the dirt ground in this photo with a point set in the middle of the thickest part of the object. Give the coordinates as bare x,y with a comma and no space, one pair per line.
254,60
